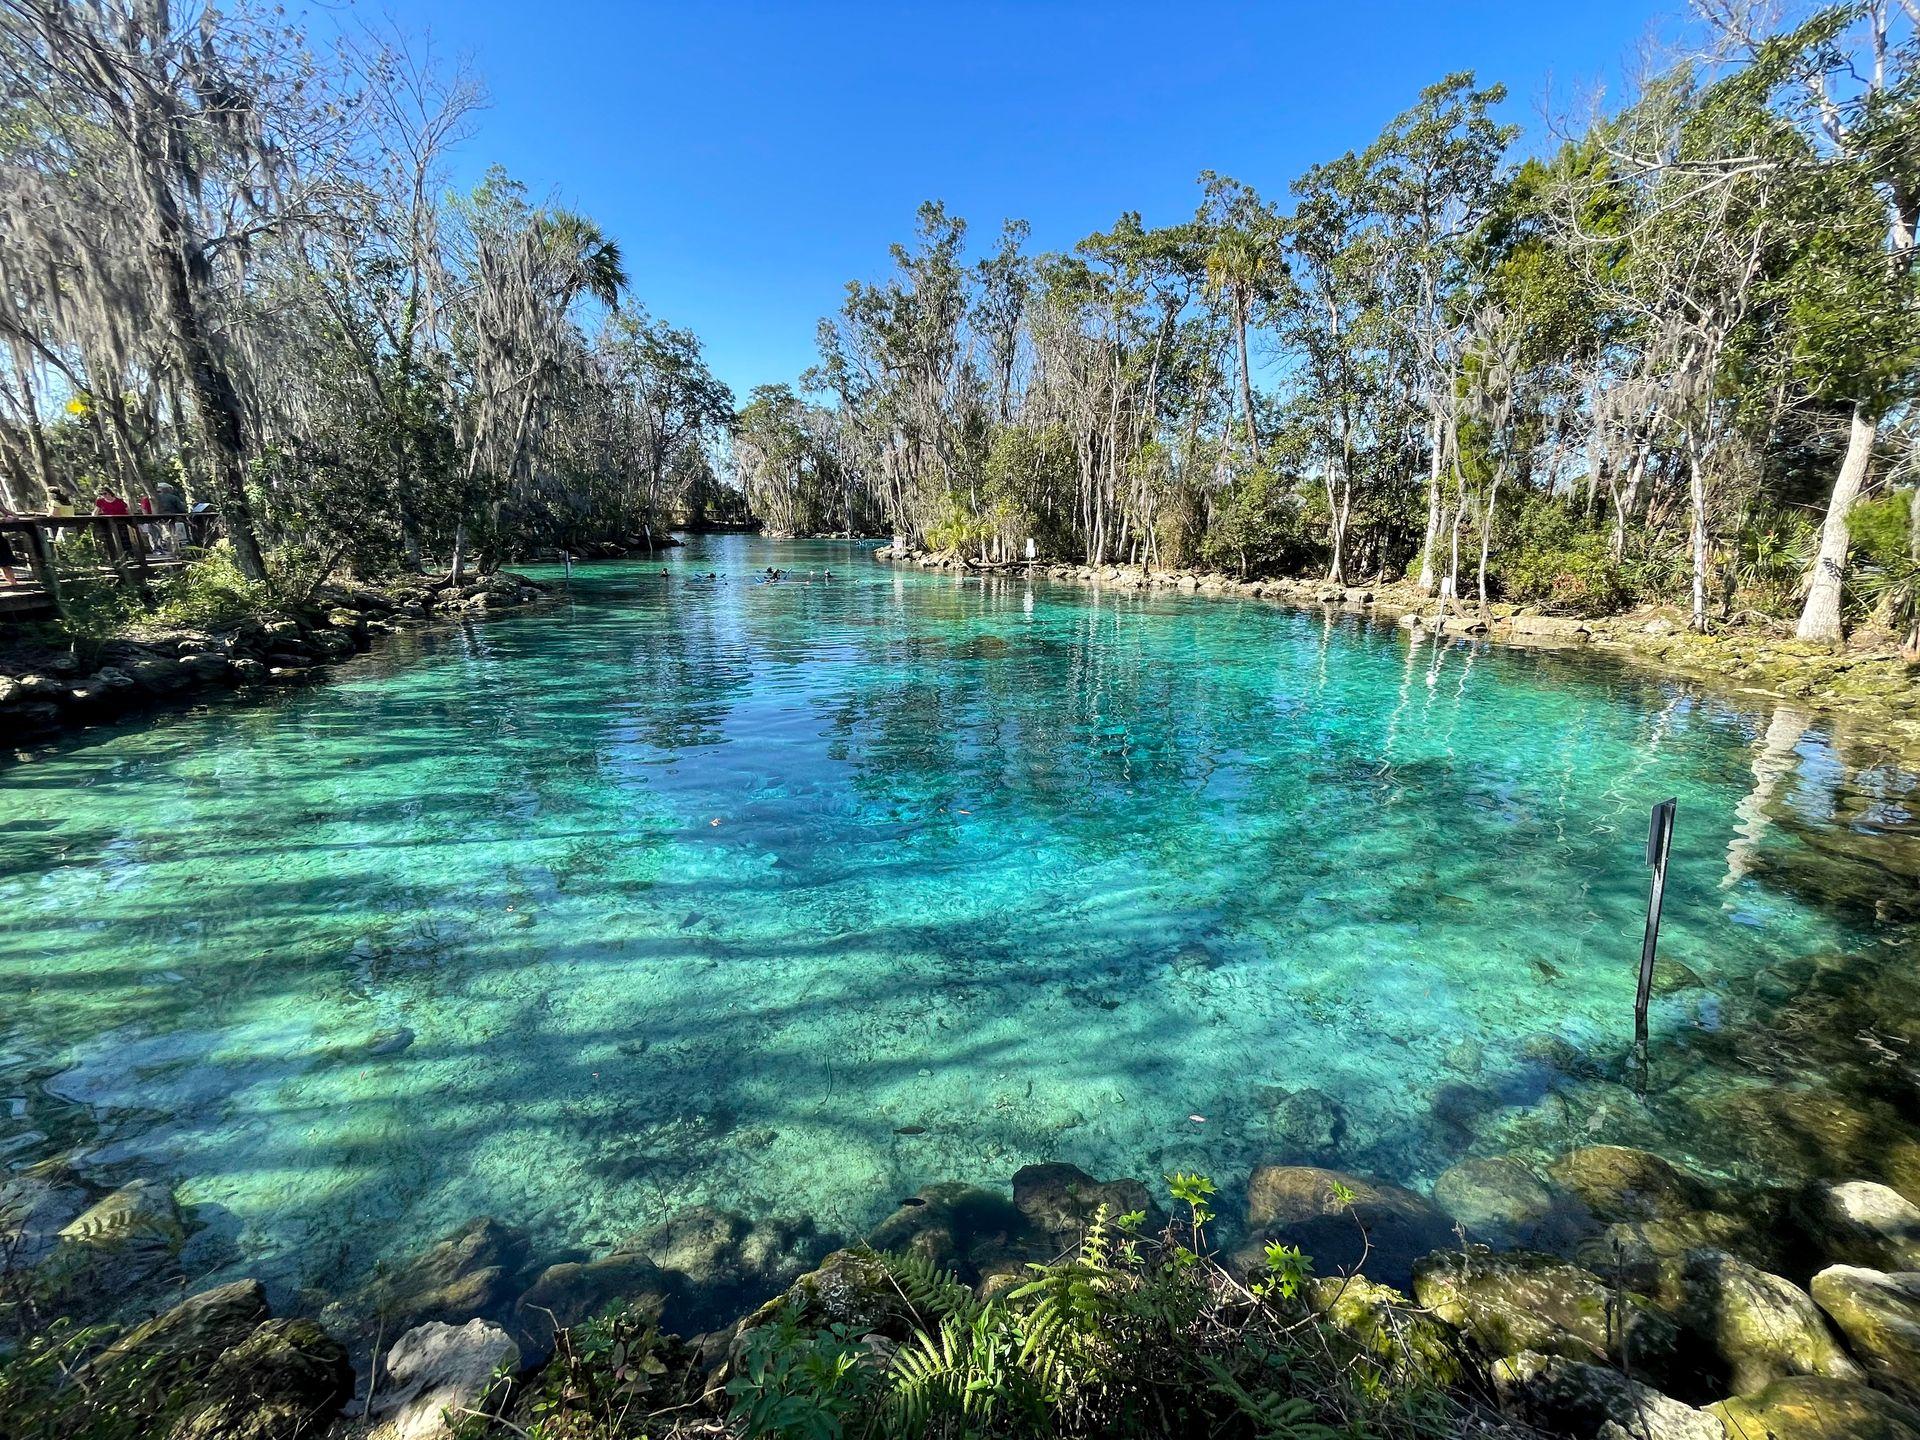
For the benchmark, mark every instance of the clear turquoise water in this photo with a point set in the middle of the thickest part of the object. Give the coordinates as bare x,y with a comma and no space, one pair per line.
707,892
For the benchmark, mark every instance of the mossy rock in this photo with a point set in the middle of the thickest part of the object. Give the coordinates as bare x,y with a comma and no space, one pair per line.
1880,1316
1572,1397
285,1381
1389,1331
1510,1303
1762,1328
1861,1222
1811,1407
188,1338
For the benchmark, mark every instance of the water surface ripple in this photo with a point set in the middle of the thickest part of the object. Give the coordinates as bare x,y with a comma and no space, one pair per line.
794,898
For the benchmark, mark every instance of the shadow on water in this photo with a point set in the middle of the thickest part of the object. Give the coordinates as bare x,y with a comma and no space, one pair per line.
801,896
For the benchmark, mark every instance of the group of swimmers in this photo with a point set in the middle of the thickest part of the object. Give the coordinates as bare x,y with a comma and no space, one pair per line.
769,576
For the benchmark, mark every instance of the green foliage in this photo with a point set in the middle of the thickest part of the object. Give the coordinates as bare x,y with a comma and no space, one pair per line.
208,594
1130,1336
1549,557
1257,527
56,1387
796,1384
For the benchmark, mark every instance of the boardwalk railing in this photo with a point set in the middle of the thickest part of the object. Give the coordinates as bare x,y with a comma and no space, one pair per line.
53,552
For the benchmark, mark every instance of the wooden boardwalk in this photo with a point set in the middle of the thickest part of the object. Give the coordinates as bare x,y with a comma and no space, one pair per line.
126,543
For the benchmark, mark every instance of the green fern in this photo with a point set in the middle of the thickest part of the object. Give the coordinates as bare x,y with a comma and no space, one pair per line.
930,1291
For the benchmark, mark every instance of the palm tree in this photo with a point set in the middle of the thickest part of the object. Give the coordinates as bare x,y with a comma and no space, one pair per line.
1242,266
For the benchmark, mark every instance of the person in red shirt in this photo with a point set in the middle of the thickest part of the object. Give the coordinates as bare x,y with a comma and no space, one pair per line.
109,503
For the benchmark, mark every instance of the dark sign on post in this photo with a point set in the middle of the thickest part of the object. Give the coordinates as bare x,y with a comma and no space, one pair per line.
1659,841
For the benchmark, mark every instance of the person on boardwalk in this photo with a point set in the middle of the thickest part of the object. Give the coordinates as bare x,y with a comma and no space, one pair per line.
108,503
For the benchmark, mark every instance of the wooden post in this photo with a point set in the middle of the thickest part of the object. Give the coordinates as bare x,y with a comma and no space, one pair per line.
39,537
1659,842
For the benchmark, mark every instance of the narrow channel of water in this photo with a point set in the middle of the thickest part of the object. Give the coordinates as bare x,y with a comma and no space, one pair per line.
792,898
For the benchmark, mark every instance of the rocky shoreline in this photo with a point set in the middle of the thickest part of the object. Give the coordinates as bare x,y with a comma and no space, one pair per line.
46,691
1608,1295
1879,686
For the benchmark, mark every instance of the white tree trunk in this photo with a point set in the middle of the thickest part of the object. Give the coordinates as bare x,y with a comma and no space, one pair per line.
1820,617
1697,487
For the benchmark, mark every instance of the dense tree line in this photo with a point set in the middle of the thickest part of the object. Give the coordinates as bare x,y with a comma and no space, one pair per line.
234,263
1672,357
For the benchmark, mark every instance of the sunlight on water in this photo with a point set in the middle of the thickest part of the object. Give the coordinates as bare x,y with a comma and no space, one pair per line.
794,898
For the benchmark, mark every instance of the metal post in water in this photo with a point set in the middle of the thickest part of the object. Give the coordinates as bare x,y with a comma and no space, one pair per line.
1659,842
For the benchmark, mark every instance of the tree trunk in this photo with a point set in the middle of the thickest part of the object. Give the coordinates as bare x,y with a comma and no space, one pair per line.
1427,579
1246,378
1697,494
1820,617
217,404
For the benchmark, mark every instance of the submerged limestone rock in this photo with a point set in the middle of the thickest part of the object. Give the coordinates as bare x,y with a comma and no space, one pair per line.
1860,1222
469,1273
1811,1407
1880,1316
1502,1202
566,1294
723,1262
114,1247
1060,1200
285,1381
1761,1327
1511,1303
960,1227
34,1209
1383,1229
437,1368
1618,1183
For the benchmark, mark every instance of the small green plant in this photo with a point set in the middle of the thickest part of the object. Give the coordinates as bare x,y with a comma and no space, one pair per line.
1287,1271
796,1384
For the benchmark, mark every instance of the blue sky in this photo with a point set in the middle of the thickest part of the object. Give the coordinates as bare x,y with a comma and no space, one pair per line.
751,159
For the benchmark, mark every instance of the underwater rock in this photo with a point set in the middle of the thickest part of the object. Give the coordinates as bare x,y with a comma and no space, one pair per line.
34,1209
1059,1200
113,1247
1573,1397
724,1262
1310,1123
191,1335
1670,977
1521,1300
469,1273
1859,1222
435,1368
1880,1316
1811,1407
1295,1204
389,1042
285,1381
1762,1328
1502,1202
565,1294
960,1227
1616,1182
1824,1134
